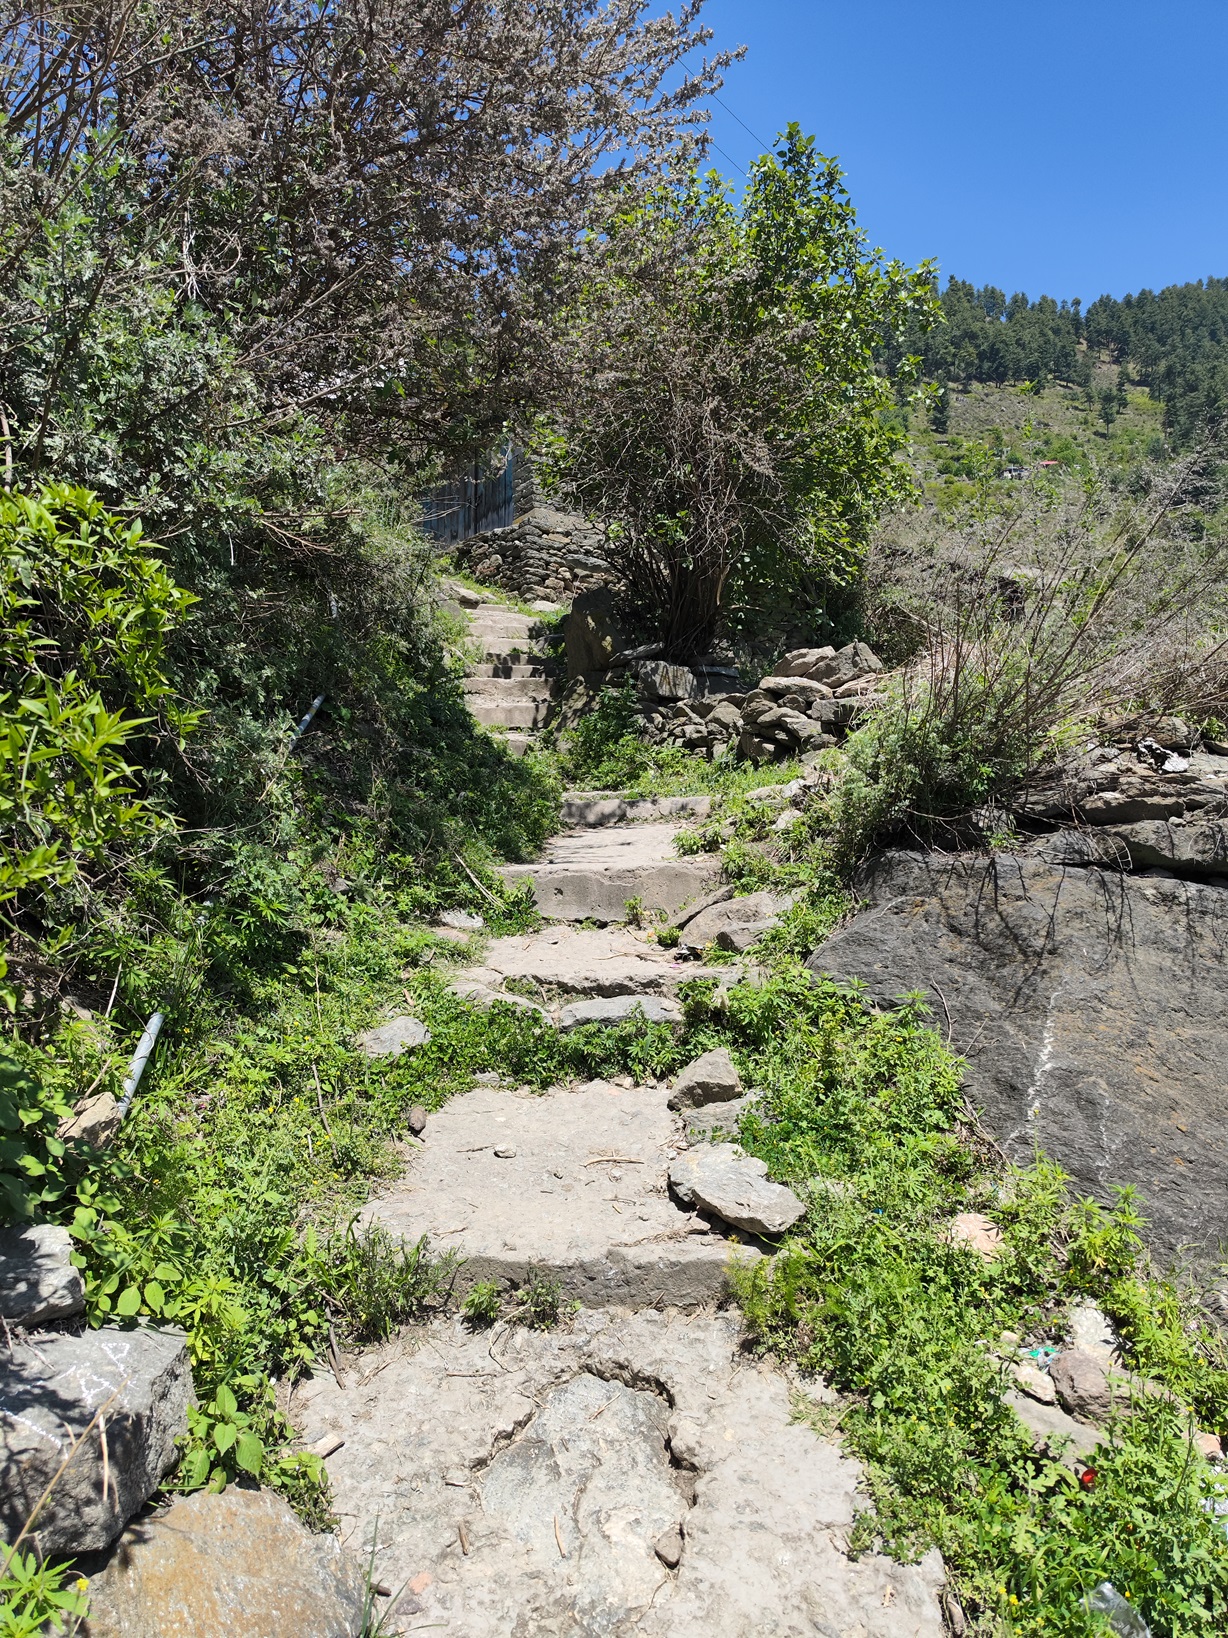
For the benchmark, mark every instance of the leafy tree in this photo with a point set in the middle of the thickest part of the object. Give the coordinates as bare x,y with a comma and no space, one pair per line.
723,406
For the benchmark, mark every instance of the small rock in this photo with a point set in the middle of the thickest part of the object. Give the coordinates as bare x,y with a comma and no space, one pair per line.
488,1077
392,1039
505,1153
1092,1332
1036,1383
94,1121
616,1009
721,1179
1208,1446
38,1283
669,1546
50,1395
977,1233
1052,1429
238,1564
1082,1385
710,1078
416,1120
463,921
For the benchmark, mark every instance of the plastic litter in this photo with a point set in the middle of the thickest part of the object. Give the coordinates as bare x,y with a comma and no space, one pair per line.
141,1057
1124,1619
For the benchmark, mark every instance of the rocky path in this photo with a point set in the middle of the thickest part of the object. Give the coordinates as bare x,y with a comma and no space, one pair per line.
635,1469
512,682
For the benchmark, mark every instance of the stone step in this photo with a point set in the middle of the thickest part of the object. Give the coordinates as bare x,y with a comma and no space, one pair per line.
492,712
513,1183
515,669
568,961
591,874
500,653
510,688
596,809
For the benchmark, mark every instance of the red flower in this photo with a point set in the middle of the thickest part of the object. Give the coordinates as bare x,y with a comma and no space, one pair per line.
1088,1478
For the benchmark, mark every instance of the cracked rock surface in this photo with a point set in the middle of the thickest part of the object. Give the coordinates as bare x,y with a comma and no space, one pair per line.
516,1483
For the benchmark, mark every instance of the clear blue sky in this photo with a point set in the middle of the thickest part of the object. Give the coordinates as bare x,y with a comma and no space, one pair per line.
1069,148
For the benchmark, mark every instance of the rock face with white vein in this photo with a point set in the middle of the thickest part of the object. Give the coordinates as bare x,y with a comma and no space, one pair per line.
139,1385
1091,1005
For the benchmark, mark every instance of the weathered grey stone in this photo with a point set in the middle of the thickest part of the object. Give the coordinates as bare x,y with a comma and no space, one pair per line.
725,717
660,680
1092,1009
711,1078
616,1009
721,1179
559,960
592,874
49,1394
736,923
463,920
38,1283
1081,1385
583,1198
802,688
1052,1429
1187,847
239,1564
1092,1332
801,661
484,995
590,1426
390,1040
593,633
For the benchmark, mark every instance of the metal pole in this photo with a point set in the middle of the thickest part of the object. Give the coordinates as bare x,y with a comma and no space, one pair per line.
140,1058
306,722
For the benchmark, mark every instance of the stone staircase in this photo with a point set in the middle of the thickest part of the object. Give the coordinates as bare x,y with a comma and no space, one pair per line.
631,1472
514,684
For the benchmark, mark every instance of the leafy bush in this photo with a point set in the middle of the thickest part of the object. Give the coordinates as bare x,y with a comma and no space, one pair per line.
85,612
483,1303
31,1155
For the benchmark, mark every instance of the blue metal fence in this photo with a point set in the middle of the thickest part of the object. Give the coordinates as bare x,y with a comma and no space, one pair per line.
472,503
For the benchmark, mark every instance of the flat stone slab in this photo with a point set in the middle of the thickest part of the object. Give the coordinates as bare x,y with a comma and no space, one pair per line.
390,1040
514,1481
38,1283
239,1564
572,1183
49,1393
719,1178
592,874
560,960
617,1009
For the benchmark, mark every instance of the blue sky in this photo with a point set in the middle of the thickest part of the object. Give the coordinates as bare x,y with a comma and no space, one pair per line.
1072,148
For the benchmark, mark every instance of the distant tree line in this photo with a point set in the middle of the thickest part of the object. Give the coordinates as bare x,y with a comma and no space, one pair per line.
1174,342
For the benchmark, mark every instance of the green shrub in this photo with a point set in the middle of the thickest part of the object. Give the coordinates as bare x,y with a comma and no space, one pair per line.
31,1155
483,1303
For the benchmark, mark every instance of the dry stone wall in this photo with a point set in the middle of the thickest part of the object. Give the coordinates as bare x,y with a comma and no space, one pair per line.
545,556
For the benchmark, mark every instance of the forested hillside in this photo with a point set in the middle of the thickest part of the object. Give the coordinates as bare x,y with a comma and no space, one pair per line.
1173,342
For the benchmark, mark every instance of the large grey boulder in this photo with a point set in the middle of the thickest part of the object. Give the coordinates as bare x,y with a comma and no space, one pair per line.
141,1383
711,1078
390,1040
1092,1009
38,1282
720,1179
239,1564
593,633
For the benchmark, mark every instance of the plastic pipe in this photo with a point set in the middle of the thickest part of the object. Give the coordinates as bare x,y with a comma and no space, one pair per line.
306,722
140,1058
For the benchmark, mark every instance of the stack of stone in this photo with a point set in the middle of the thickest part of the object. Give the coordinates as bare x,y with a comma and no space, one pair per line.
545,556
811,700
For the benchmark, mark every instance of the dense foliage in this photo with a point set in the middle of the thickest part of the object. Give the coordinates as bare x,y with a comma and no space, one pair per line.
725,410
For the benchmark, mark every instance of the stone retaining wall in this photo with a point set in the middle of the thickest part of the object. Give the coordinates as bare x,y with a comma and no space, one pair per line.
544,556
